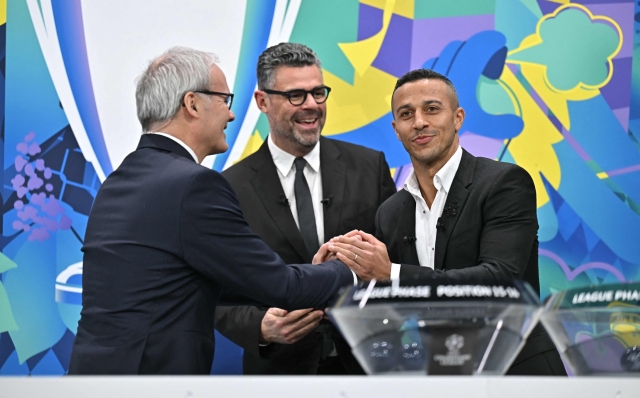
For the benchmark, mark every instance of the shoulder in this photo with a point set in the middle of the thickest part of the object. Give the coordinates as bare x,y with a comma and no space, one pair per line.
396,201
493,170
241,170
350,149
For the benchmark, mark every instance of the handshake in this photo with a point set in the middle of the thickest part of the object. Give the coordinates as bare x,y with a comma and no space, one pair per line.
365,255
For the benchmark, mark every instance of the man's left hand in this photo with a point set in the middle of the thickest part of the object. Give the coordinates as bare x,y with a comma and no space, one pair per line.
364,254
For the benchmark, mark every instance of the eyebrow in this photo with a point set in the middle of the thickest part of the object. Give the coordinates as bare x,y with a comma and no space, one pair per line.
427,102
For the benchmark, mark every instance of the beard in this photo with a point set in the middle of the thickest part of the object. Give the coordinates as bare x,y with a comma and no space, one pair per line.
307,139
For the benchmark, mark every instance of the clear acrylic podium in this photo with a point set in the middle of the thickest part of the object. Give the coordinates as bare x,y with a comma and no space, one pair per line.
436,329
597,329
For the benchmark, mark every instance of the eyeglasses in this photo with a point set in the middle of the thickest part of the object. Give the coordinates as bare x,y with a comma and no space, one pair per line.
228,96
298,97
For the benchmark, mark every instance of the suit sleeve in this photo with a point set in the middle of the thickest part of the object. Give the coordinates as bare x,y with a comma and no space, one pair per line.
509,231
387,186
241,324
219,244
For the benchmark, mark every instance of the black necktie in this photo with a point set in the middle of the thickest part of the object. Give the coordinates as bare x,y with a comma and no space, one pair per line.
304,205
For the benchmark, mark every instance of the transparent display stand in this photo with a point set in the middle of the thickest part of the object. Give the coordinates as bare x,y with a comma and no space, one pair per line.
597,329
436,329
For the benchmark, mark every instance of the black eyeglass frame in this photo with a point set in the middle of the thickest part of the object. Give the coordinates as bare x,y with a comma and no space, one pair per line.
299,90
228,101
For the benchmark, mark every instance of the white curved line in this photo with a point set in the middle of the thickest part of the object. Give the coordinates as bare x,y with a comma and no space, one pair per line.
69,288
73,269
45,28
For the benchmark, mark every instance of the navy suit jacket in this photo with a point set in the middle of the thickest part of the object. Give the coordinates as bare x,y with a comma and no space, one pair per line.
164,238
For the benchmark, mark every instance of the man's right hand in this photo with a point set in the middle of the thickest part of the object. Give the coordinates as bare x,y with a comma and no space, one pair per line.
280,326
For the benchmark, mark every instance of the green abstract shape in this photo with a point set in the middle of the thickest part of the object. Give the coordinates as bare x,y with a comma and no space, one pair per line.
7,321
263,126
452,8
516,19
321,25
553,278
574,48
493,98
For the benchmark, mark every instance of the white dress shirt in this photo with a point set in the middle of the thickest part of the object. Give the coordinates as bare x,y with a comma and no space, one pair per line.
185,146
287,174
427,218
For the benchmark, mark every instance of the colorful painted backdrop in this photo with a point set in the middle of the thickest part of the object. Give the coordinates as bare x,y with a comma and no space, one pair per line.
553,86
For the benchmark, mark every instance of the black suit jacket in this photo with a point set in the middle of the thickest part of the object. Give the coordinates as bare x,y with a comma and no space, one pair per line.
164,237
357,180
488,232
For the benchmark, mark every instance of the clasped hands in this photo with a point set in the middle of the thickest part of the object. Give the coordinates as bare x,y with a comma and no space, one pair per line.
362,252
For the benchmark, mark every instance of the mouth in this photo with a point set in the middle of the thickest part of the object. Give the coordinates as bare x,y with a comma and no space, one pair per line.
423,139
307,123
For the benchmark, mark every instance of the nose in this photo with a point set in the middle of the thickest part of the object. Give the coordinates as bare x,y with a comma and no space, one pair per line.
420,122
232,116
309,102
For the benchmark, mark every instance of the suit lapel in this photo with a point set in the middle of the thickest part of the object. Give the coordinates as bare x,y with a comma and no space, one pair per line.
454,205
406,231
334,178
268,188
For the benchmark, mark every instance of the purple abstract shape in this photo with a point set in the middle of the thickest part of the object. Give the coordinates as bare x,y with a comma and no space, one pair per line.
18,205
431,36
34,183
29,137
575,145
30,212
479,145
51,225
21,191
22,215
622,114
65,222
34,148
28,170
40,164
48,187
26,227
401,175
395,53
38,198
52,208
369,21
22,148
17,225
40,234
622,13
617,92
17,181
572,273
47,173
624,170
20,162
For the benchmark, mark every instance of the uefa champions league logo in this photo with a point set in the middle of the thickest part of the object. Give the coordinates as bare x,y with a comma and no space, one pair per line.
454,343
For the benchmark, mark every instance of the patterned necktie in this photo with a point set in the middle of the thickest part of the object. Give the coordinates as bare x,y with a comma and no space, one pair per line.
304,205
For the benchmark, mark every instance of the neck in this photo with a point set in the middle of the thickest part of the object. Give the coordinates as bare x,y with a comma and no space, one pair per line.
426,171
293,148
183,134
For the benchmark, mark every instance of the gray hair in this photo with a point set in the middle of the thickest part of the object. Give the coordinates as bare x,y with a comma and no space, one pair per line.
160,89
283,54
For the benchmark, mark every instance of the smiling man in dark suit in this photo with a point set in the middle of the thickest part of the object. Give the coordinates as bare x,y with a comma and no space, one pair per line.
459,218
297,191
166,236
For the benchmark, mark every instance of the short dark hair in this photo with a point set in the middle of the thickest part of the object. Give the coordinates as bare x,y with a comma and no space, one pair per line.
420,74
283,54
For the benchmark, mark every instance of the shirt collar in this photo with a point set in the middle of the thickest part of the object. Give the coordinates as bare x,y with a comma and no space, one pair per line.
179,141
284,160
443,178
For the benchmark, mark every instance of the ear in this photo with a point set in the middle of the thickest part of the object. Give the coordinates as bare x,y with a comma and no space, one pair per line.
189,103
261,100
393,124
458,118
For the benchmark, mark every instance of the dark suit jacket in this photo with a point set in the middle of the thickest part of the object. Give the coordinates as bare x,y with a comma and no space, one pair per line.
489,233
164,237
358,181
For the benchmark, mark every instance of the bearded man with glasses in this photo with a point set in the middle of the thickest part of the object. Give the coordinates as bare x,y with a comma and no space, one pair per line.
298,191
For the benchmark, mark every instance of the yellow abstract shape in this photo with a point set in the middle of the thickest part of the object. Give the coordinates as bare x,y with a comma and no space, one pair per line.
393,171
3,12
582,91
362,53
405,8
602,175
532,148
354,106
560,1
254,143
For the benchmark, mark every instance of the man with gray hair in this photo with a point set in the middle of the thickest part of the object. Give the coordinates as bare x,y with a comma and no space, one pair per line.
298,191
166,236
